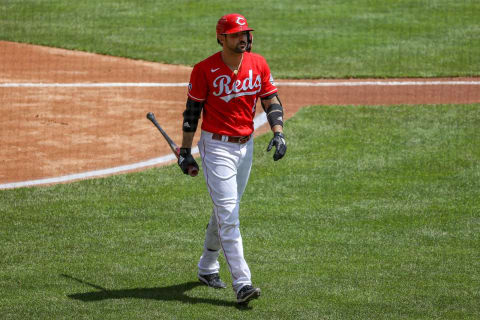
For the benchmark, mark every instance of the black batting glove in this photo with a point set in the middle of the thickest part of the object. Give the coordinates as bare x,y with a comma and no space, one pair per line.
278,141
186,160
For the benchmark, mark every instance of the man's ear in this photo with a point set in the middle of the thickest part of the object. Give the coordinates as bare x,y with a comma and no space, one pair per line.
220,42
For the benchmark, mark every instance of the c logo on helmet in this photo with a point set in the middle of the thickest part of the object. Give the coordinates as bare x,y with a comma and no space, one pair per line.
241,21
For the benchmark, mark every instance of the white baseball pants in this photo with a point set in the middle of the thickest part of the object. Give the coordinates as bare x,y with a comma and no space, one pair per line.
226,167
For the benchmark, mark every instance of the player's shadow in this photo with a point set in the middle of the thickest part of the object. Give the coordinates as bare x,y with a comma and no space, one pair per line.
169,293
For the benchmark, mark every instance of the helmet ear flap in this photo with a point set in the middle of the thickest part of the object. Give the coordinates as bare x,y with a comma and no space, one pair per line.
249,41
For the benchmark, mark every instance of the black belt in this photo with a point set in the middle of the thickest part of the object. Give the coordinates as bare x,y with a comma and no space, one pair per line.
241,140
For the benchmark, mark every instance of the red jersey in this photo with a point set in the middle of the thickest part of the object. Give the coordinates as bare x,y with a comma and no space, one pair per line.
229,99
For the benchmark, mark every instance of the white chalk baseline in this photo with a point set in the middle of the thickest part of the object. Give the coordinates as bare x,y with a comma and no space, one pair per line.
258,121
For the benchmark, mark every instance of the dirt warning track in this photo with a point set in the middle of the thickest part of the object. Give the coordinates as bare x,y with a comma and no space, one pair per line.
78,115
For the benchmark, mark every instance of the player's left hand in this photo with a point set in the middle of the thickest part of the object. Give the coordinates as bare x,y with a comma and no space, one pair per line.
278,141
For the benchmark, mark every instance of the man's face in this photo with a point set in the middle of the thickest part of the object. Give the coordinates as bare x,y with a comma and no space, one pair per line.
235,42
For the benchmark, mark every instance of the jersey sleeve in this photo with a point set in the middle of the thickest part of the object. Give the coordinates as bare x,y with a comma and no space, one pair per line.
268,84
197,87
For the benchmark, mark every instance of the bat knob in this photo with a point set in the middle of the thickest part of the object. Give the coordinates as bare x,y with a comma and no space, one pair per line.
150,116
192,171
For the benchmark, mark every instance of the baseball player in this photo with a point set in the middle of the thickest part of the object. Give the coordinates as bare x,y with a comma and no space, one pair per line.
225,88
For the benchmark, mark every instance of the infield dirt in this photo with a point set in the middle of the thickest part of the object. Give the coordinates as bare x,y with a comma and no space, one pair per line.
50,131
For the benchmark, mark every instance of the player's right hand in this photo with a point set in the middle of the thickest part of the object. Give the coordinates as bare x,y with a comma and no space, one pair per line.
186,160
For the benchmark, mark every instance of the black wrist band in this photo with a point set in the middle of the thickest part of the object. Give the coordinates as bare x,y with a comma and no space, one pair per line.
185,151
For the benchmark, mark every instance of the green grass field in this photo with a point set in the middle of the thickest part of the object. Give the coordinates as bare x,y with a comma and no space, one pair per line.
300,39
372,214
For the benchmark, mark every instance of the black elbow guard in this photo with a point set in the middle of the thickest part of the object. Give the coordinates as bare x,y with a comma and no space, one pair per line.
191,115
275,115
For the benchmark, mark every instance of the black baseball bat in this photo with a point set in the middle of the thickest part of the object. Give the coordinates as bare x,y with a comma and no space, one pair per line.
192,171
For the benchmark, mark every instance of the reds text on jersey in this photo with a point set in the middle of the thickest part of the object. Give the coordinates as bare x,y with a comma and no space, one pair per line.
230,99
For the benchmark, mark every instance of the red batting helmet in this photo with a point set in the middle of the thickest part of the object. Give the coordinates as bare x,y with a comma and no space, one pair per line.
232,23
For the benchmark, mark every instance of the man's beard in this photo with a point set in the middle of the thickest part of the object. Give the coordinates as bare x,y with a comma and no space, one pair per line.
241,47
